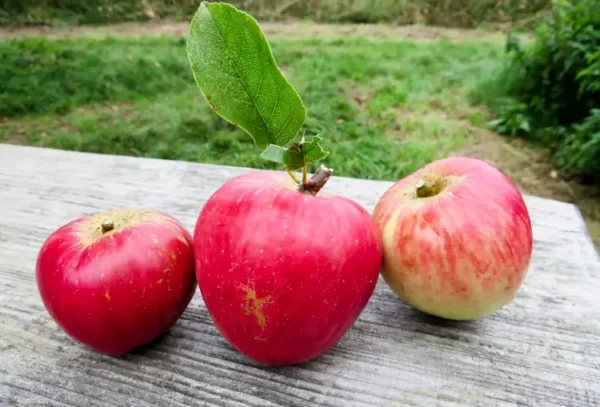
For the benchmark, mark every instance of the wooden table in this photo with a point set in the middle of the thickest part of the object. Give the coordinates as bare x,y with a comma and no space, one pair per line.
541,350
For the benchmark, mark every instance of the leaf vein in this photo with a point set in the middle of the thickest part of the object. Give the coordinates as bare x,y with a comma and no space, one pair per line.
285,125
228,74
242,101
262,76
238,71
275,105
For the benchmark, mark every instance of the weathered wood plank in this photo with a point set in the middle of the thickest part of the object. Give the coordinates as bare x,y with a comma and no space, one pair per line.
541,350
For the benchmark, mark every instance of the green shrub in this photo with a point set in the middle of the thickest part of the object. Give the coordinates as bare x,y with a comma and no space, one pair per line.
581,149
552,85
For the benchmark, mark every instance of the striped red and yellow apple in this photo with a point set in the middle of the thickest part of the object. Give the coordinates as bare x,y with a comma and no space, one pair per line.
456,237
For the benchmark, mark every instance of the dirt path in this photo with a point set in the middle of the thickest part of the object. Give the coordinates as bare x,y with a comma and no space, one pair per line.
292,29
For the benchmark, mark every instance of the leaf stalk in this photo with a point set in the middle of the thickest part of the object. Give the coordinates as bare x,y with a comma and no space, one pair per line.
291,174
304,173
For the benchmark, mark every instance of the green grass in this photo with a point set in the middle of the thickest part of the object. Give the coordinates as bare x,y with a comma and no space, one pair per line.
39,76
384,107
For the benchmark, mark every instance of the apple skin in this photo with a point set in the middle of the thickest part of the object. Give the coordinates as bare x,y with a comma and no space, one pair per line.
117,290
283,274
461,254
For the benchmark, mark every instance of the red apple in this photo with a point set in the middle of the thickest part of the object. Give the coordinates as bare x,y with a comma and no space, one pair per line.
116,280
284,274
457,238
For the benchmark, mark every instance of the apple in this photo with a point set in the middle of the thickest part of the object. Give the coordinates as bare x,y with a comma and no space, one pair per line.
456,237
118,279
284,273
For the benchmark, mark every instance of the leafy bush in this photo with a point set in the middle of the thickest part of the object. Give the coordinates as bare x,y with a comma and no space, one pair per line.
552,86
581,149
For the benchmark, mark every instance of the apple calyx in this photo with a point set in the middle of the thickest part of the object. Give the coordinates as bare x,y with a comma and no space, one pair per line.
425,189
317,181
107,225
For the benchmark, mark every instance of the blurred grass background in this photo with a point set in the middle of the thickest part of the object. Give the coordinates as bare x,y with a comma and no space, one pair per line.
137,97
450,13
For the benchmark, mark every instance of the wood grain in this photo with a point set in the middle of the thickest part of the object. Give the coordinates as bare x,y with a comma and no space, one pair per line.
541,350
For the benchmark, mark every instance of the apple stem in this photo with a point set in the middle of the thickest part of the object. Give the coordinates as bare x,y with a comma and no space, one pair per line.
425,190
107,225
317,181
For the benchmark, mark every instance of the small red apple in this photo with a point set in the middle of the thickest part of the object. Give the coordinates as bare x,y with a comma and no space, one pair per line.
116,280
284,274
457,238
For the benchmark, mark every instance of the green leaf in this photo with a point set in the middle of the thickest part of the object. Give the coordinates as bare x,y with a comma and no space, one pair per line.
525,126
297,155
236,72
312,150
290,158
